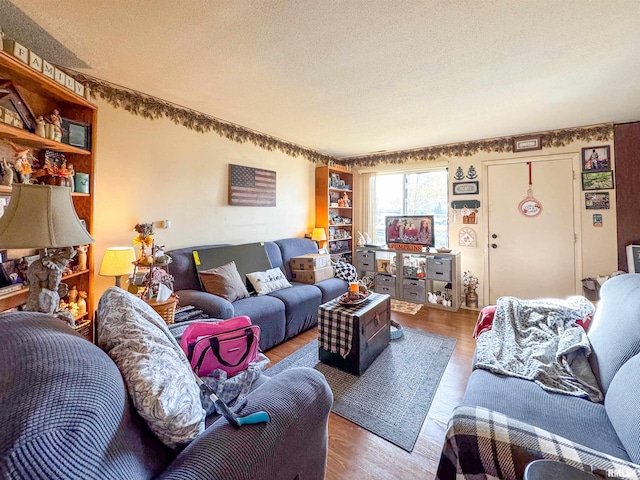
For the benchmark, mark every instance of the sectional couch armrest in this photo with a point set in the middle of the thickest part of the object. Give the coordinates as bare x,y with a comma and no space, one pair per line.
292,445
484,443
212,305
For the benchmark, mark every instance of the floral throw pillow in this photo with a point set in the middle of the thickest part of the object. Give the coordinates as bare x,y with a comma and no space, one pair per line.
269,281
156,372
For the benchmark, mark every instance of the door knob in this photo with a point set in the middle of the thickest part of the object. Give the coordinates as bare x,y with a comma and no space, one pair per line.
494,236
493,245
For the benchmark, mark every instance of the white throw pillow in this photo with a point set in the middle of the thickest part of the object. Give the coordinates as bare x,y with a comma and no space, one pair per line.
269,281
154,367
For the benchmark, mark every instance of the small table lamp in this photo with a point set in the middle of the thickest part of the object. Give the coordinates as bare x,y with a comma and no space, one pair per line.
43,216
117,261
320,236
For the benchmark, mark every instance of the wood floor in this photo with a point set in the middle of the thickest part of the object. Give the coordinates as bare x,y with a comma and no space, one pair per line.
355,452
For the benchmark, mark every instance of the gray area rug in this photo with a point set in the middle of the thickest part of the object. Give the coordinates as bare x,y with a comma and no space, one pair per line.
393,396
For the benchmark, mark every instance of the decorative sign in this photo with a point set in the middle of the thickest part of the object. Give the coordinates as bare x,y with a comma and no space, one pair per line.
252,187
405,246
465,188
530,207
597,219
531,142
467,237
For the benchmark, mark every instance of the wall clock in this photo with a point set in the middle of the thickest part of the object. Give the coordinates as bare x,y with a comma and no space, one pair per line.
467,237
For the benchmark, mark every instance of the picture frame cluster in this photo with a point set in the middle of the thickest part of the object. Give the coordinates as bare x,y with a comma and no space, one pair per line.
597,175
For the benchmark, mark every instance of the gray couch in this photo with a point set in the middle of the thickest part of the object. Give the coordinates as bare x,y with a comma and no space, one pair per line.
282,314
611,427
66,414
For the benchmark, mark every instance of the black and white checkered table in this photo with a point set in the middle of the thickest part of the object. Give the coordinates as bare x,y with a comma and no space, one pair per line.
335,323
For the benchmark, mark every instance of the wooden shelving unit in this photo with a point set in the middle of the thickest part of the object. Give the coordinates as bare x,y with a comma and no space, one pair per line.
42,95
329,209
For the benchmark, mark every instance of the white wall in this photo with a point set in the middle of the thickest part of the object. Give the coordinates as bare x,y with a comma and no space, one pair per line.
150,170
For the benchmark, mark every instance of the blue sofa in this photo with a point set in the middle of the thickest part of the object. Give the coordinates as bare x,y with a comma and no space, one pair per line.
66,414
507,414
282,314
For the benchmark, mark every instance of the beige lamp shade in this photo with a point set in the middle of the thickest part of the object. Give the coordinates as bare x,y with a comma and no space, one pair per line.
318,234
41,216
117,261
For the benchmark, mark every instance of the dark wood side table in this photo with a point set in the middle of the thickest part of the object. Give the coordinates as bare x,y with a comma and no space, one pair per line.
358,333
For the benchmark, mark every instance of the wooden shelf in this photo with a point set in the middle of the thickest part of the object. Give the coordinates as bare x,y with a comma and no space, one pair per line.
340,239
342,208
334,189
342,225
11,67
8,190
25,137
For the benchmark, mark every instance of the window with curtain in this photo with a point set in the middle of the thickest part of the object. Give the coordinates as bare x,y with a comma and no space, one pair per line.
415,193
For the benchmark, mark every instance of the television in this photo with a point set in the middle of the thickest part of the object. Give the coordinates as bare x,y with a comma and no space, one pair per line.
411,229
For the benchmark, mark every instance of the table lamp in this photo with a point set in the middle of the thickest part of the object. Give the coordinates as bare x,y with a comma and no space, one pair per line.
319,235
43,216
117,261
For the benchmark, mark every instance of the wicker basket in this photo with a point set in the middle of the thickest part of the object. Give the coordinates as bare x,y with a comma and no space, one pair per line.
166,309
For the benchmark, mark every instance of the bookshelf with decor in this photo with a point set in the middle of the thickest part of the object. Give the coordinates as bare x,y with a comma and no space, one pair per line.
27,97
334,209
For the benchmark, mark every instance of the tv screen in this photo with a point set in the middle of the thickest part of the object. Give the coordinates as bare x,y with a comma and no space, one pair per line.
415,229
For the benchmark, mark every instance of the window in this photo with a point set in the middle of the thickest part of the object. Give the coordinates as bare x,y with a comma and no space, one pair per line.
424,193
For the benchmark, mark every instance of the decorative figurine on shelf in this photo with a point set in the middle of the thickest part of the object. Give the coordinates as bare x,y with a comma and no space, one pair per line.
82,257
72,177
23,163
44,276
82,302
7,173
55,129
361,241
144,240
72,296
41,127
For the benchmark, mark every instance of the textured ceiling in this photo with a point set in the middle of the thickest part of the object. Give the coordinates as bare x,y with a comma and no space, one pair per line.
351,77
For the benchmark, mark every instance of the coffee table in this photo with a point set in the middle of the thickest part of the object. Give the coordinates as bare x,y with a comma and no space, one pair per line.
351,337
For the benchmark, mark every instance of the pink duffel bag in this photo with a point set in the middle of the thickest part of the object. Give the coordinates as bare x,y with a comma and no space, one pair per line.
228,345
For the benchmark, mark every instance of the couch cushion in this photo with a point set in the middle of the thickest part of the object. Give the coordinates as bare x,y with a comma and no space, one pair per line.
224,281
332,288
301,307
268,313
574,418
623,407
615,330
155,369
269,281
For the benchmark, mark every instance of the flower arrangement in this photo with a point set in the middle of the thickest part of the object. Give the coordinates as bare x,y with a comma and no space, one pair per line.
143,240
469,280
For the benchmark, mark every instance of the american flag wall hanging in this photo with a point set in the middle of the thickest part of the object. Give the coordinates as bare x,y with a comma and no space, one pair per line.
252,187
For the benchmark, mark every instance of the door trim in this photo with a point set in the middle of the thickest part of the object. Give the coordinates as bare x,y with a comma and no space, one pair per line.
577,218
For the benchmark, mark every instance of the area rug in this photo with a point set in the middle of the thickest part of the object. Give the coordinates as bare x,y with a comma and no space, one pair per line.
405,307
392,398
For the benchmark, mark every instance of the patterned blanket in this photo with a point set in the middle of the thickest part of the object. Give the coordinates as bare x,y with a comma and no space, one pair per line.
483,444
540,340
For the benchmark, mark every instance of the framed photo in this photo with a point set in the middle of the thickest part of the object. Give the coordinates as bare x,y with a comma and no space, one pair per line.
596,201
382,265
11,100
597,180
596,159
530,142
466,188
76,134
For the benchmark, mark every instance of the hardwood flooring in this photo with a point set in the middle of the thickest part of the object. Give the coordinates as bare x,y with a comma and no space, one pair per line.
355,452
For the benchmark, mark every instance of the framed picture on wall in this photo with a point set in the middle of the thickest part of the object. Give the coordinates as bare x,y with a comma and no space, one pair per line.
596,201
596,159
597,180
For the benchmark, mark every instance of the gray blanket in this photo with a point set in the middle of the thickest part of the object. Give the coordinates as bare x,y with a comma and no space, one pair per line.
539,340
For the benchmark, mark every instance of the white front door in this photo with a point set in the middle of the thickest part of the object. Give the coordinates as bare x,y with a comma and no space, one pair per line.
531,257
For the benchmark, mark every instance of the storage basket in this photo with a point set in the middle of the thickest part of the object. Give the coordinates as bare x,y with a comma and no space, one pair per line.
84,328
166,309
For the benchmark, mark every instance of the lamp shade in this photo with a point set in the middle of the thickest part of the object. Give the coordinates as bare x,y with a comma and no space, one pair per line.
318,234
41,216
117,261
